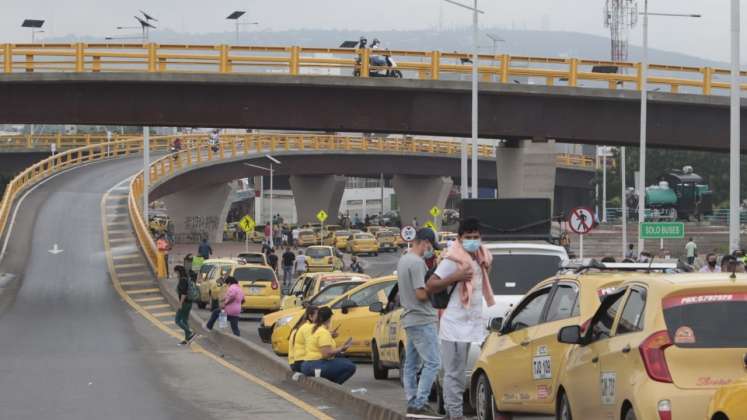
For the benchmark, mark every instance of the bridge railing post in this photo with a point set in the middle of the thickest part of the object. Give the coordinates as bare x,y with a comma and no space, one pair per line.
152,62
365,56
707,80
505,64
295,61
7,58
79,57
225,64
638,76
435,65
573,76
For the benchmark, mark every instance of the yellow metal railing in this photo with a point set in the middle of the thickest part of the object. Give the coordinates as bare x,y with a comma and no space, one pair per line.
293,60
44,142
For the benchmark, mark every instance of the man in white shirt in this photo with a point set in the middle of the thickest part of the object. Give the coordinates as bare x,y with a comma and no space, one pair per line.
692,250
462,322
300,263
294,233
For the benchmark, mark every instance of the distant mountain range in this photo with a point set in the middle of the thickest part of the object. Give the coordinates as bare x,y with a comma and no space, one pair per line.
517,42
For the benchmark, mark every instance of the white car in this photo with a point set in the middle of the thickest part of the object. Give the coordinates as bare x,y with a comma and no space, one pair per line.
517,267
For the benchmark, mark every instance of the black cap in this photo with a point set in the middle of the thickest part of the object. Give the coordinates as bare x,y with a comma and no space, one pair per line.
427,234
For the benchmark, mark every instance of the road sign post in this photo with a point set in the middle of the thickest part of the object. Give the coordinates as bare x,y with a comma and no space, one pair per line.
408,234
661,231
581,221
247,224
321,217
435,212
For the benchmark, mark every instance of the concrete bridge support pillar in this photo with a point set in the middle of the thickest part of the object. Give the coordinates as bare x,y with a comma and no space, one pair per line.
199,212
527,171
417,196
314,193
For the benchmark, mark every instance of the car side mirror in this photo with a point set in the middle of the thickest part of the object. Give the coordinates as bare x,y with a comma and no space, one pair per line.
347,305
570,335
496,324
376,307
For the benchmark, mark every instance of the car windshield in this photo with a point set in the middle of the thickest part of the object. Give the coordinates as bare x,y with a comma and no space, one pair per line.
363,236
332,291
699,321
205,269
254,274
342,233
385,235
515,274
306,232
318,252
326,281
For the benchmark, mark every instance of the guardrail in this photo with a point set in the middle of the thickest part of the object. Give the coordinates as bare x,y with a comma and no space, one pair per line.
44,142
295,60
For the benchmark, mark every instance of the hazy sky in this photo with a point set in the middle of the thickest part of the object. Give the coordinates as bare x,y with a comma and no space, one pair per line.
707,37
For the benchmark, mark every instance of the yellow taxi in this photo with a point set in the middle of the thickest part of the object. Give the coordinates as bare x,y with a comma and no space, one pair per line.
373,229
341,239
521,359
363,243
307,237
210,280
389,338
323,258
397,237
729,402
352,317
659,347
260,286
310,289
326,237
387,241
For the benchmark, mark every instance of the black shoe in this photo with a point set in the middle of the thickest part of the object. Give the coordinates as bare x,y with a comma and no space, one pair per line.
183,343
424,412
191,338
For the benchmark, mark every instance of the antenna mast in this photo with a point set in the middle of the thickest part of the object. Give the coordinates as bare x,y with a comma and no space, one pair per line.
620,16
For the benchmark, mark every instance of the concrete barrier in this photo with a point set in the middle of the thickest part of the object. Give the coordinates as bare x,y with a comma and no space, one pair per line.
267,361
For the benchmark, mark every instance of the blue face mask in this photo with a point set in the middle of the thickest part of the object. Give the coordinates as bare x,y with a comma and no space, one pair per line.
428,254
471,245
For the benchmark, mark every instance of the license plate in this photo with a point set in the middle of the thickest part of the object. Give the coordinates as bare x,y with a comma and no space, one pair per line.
255,290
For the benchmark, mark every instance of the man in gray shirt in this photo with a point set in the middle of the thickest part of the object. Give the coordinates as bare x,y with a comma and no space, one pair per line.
419,320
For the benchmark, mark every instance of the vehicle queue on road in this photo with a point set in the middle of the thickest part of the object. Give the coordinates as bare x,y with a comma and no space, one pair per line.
599,341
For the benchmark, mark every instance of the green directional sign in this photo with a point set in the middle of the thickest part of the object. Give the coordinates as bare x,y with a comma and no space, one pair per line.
662,230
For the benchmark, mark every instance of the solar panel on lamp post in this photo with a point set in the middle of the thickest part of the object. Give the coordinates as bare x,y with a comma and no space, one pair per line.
35,26
236,16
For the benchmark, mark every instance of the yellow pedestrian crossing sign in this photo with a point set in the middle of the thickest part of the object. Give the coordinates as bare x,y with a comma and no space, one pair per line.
435,211
247,224
321,216
430,225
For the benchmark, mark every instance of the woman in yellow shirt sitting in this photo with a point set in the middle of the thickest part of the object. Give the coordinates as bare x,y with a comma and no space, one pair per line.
300,333
322,355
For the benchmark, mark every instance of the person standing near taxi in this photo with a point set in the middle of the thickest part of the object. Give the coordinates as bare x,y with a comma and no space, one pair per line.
231,303
462,322
419,321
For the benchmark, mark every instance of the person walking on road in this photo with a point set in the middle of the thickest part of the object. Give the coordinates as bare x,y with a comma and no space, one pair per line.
691,248
300,264
231,303
355,265
419,321
187,291
711,265
323,358
288,259
272,259
462,322
299,335
204,249
294,233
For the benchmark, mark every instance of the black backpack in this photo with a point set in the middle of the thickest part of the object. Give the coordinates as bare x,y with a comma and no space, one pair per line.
441,299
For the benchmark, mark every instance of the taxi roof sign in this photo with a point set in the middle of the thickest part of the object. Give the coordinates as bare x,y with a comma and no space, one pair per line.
322,216
430,225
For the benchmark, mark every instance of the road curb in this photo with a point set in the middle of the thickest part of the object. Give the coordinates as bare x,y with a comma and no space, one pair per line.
247,351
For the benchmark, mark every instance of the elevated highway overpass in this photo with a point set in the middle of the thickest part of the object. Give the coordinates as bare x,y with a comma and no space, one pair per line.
272,87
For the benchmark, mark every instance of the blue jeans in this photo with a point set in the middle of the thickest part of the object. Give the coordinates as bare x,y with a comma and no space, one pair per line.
287,275
422,348
337,370
232,320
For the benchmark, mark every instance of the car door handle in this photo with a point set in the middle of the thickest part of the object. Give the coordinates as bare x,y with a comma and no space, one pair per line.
595,359
524,343
626,349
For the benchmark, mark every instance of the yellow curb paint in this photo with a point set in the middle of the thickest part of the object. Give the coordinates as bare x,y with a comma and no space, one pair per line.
311,410
148,299
159,306
142,291
162,314
134,274
135,282
125,257
118,266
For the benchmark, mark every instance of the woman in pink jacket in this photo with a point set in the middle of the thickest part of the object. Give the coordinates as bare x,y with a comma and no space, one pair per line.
231,303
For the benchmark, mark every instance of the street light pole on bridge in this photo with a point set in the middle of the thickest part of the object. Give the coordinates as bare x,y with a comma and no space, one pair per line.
734,149
475,75
644,109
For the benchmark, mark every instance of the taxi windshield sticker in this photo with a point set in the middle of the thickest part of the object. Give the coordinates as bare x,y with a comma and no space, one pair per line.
607,383
684,335
675,301
541,364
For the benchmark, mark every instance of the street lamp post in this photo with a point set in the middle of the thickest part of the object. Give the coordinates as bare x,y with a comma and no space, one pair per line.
644,106
475,74
734,148
271,170
35,26
235,16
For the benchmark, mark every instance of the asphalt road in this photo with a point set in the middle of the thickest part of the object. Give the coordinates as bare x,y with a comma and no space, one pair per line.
70,348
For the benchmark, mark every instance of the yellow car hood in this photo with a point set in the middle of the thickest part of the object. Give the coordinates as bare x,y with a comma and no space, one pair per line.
273,317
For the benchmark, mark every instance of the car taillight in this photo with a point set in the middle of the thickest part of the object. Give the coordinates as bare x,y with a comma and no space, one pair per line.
665,410
652,353
274,285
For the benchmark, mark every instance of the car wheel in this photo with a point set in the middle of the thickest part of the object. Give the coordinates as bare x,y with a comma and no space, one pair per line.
564,408
379,371
630,415
484,399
